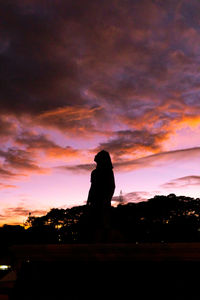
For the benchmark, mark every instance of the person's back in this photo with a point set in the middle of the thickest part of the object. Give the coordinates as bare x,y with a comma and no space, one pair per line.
102,181
101,191
102,187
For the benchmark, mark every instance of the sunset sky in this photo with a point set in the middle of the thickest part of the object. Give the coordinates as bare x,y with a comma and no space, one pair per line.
79,76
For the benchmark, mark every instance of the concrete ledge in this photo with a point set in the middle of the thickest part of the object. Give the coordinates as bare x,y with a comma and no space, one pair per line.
154,252
107,271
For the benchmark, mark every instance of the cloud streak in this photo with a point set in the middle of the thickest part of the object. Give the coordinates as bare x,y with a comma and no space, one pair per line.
133,197
7,186
149,161
42,143
18,214
186,181
19,160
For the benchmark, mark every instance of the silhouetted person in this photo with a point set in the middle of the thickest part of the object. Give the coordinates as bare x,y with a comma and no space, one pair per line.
100,194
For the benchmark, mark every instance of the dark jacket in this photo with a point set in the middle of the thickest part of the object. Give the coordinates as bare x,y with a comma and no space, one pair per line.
102,188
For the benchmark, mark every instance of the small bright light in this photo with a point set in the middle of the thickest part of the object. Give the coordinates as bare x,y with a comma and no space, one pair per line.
4,267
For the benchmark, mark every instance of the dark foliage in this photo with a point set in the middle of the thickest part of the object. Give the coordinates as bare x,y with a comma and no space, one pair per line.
160,219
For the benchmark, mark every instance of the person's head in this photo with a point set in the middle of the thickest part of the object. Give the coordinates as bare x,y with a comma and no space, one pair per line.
103,159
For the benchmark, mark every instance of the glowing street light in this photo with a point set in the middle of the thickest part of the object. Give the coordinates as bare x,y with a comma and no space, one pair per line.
5,267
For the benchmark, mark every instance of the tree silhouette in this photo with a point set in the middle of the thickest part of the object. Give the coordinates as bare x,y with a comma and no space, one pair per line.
162,218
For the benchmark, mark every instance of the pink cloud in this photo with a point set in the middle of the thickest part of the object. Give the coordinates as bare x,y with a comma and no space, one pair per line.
186,181
149,161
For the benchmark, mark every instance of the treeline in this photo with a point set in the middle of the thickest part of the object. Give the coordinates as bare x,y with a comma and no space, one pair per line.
160,219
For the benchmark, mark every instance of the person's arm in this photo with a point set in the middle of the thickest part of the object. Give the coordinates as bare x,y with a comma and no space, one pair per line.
109,187
89,199
91,190
111,184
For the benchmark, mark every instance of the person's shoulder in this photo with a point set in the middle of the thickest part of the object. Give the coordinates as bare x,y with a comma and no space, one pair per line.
93,172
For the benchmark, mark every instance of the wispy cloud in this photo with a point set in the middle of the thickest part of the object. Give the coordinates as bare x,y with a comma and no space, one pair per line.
18,214
7,186
73,120
21,211
186,181
143,162
35,142
133,197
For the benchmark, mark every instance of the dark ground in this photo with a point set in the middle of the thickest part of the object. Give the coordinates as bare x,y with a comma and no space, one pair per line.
107,271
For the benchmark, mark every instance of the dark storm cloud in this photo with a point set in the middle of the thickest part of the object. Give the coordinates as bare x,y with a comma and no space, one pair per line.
7,128
41,73
42,45
50,51
38,59
128,142
20,161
